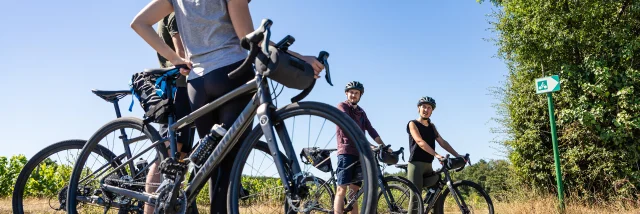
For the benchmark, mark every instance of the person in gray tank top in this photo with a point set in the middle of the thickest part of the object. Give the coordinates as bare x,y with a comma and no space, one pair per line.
210,32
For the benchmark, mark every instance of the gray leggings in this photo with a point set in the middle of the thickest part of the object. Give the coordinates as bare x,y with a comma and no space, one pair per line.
416,171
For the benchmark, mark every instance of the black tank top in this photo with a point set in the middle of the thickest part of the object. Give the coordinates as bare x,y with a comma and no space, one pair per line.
428,135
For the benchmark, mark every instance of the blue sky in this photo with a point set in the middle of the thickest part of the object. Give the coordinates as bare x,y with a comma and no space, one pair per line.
55,52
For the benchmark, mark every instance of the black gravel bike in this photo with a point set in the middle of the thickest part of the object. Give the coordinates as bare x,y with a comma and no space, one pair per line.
447,196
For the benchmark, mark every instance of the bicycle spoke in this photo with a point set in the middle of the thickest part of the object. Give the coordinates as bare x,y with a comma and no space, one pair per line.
309,132
294,128
318,137
253,161
135,149
94,163
113,140
326,145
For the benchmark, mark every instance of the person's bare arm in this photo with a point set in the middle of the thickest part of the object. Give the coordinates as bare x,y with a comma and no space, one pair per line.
421,143
445,145
143,25
177,44
243,25
240,17
379,141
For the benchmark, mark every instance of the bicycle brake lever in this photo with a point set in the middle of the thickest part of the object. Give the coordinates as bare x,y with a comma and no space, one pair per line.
468,159
322,57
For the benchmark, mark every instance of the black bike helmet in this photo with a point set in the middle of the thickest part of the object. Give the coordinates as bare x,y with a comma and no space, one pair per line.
354,85
427,100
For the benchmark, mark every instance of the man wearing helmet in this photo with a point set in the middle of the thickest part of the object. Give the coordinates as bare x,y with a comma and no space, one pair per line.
349,172
422,137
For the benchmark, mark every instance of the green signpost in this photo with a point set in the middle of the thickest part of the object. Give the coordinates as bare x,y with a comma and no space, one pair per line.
546,85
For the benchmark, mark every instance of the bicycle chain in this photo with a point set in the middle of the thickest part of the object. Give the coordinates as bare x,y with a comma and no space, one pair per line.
169,167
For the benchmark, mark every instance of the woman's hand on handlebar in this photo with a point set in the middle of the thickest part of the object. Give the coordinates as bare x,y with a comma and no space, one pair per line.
181,61
440,158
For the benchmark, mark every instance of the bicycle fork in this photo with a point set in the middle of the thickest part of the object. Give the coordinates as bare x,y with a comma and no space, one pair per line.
387,195
456,194
265,112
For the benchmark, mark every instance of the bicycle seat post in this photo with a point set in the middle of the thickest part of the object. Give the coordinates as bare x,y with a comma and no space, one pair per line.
117,107
123,135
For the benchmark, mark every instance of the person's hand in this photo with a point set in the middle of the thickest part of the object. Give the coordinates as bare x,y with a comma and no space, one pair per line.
440,158
181,61
317,66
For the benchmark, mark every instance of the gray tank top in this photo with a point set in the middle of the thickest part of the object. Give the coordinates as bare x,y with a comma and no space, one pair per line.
207,34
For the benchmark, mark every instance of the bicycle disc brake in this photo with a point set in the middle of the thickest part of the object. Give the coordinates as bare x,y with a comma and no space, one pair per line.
302,193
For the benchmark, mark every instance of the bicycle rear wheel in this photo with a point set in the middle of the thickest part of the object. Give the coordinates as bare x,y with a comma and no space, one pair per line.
472,194
42,183
87,181
273,199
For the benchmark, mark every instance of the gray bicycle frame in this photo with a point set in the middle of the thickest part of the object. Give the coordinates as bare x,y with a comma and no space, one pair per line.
259,105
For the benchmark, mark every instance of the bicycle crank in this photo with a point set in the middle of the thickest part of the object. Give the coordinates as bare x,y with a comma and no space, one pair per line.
162,203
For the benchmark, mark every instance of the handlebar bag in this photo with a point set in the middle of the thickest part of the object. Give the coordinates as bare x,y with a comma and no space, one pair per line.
285,69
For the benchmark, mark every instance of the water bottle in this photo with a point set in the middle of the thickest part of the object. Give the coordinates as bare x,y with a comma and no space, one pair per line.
430,193
207,144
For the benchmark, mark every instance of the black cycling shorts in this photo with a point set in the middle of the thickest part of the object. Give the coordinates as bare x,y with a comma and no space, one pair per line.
203,90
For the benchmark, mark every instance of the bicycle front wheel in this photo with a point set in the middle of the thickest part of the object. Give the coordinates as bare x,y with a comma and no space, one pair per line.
468,193
397,197
268,195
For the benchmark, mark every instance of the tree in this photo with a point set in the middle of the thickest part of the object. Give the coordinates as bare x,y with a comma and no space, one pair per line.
494,176
593,45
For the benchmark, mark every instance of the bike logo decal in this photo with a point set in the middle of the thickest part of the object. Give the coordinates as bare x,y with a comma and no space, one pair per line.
263,119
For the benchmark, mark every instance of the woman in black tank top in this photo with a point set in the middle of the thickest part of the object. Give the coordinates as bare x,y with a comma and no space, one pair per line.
422,143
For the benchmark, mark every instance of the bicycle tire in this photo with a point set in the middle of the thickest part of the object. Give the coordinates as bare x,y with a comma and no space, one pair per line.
94,140
405,182
326,186
330,113
23,177
439,207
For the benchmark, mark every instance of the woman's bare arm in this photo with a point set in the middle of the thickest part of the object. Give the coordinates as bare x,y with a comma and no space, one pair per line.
143,23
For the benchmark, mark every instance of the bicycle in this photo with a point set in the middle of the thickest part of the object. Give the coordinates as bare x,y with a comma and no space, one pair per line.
171,198
436,196
386,183
43,159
